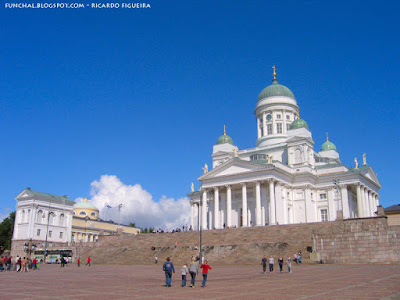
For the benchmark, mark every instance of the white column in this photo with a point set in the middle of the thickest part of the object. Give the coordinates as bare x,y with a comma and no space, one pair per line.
263,124
278,204
272,212
377,200
228,206
360,213
244,205
371,203
258,128
331,205
204,211
310,210
192,214
258,204
345,201
216,208
285,206
264,204
365,203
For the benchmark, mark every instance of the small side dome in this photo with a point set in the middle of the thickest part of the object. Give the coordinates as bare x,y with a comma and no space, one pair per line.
223,139
328,145
298,123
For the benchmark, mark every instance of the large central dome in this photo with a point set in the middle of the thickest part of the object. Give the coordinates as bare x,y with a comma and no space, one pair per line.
275,90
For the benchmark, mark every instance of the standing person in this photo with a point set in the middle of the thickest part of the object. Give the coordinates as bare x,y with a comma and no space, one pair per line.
168,268
88,261
184,272
34,261
176,244
289,264
19,264
79,261
155,259
271,264
9,263
205,268
299,261
295,258
16,263
193,270
264,263
280,261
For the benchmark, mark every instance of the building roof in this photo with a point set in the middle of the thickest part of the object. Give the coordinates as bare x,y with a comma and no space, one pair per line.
298,123
393,208
275,90
85,204
41,195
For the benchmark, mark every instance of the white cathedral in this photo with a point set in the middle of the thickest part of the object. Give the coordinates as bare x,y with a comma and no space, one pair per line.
283,180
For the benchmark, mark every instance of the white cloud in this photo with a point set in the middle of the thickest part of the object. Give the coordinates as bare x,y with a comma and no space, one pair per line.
138,205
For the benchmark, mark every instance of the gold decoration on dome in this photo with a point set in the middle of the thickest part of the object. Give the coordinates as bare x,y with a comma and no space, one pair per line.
85,199
327,137
273,67
224,129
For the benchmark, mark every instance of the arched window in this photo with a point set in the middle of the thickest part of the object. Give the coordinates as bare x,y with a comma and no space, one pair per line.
93,214
82,213
39,216
51,218
61,220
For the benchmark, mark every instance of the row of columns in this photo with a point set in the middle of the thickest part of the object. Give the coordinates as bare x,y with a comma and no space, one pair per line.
85,237
367,202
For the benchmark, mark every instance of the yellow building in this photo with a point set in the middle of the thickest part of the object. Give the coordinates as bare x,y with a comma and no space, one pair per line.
393,214
87,227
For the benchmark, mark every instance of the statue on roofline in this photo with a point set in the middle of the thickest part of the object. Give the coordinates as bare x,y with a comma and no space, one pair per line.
205,169
356,163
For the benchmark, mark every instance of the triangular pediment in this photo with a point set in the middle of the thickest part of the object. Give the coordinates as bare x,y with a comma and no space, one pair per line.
25,194
370,174
233,166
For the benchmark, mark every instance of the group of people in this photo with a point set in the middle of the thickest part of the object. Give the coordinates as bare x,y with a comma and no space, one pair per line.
192,269
271,261
20,264
184,228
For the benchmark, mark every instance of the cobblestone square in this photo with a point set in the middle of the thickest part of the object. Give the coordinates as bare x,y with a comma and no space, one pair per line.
224,282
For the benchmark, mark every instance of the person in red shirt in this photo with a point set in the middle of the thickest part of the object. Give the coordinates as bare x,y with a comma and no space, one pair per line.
88,261
79,261
205,268
34,262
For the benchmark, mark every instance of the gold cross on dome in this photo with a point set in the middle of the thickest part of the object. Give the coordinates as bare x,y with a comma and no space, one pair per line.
273,67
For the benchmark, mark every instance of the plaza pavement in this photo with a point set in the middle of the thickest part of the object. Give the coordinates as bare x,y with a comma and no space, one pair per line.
224,282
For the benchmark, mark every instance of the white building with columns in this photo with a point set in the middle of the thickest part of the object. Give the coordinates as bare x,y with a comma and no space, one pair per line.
283,179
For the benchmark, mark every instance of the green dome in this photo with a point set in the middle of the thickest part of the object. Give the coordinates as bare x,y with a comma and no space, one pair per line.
85,204
225,139
275,89
298,123
328,146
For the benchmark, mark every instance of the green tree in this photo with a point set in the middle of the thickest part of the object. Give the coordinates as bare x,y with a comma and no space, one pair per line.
6,231
132,224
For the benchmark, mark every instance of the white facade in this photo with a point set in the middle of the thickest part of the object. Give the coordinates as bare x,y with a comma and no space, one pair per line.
39,215
283,180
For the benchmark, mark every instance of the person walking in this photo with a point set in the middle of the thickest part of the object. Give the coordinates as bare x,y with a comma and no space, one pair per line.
289,264
299,260
271,264
88,261
79,261
155,259
205,268
193,270
184,272
168,268
264,263
280,262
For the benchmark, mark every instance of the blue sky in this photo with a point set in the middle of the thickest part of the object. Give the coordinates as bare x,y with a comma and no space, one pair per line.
144,94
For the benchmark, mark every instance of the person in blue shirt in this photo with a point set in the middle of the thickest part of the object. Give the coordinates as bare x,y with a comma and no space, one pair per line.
168,268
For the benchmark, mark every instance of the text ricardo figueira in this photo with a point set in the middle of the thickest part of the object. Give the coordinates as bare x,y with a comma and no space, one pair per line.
99,5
